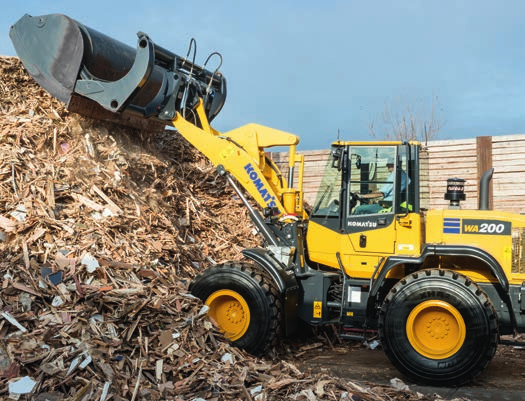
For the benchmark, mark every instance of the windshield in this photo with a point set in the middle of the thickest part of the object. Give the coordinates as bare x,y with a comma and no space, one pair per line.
327,200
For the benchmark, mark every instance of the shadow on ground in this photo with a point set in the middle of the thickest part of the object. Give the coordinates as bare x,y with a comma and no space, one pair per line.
503,380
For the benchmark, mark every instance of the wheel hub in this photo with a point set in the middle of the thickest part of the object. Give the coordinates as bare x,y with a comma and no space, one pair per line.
230,311
235,313
436,329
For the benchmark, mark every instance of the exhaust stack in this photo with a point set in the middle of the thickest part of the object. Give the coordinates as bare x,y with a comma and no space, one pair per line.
484,187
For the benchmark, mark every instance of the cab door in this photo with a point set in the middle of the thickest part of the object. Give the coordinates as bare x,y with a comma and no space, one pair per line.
370,219
348,221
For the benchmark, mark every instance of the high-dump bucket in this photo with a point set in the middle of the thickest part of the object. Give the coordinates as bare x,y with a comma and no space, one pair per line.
88,70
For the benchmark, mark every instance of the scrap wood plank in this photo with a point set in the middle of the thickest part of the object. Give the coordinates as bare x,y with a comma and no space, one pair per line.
88,202
7,224
112,206
22,287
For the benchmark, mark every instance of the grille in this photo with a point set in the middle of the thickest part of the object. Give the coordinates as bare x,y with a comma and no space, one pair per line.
518,255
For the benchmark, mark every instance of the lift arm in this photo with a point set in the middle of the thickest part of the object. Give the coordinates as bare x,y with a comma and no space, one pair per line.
242,154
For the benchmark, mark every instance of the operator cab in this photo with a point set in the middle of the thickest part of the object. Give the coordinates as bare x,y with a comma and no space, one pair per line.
366,186
367,179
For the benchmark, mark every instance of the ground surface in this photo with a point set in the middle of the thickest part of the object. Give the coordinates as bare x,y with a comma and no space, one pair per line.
504,378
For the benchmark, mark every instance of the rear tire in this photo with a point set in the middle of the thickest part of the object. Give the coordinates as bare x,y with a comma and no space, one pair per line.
244,301
438,328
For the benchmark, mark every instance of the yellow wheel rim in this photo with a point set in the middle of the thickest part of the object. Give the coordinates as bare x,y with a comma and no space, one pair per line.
436,329
229,309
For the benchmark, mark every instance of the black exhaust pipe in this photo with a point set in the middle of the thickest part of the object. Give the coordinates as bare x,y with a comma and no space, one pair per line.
484,189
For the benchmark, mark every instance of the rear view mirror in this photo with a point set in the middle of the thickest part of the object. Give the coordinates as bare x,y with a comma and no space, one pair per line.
336,158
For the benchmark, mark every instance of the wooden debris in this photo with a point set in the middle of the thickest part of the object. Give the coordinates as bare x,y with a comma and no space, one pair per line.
101,229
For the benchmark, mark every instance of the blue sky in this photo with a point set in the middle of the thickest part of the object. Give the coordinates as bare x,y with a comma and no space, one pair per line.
314,68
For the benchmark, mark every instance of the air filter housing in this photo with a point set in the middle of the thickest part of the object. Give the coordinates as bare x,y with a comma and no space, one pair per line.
455,192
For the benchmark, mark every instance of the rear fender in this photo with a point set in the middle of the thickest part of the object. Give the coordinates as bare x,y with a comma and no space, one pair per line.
446,250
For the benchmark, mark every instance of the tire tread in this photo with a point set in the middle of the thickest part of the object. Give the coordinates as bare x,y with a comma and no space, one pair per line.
264,281
468,285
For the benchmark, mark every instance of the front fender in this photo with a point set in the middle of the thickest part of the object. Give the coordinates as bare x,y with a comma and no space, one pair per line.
286,282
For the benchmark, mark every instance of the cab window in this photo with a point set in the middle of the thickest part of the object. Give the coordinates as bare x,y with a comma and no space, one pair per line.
372,179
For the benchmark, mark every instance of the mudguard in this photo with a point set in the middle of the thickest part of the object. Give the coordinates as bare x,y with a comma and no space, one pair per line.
286,283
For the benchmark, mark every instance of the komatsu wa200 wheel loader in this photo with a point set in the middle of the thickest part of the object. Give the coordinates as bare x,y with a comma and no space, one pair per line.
438,287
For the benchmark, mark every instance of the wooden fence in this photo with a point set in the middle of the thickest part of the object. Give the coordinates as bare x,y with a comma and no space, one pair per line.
462,158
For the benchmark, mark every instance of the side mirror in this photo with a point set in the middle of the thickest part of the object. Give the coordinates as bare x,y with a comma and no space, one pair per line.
337,156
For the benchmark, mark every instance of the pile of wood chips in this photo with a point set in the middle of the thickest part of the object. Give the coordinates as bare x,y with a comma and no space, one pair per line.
101,229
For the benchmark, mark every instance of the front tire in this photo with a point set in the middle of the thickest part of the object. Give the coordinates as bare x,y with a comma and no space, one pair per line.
438,328
244,301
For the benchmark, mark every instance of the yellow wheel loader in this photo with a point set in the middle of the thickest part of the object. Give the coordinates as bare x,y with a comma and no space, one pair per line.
438,287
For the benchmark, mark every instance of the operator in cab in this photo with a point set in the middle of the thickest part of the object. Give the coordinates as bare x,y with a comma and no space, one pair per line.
386,192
